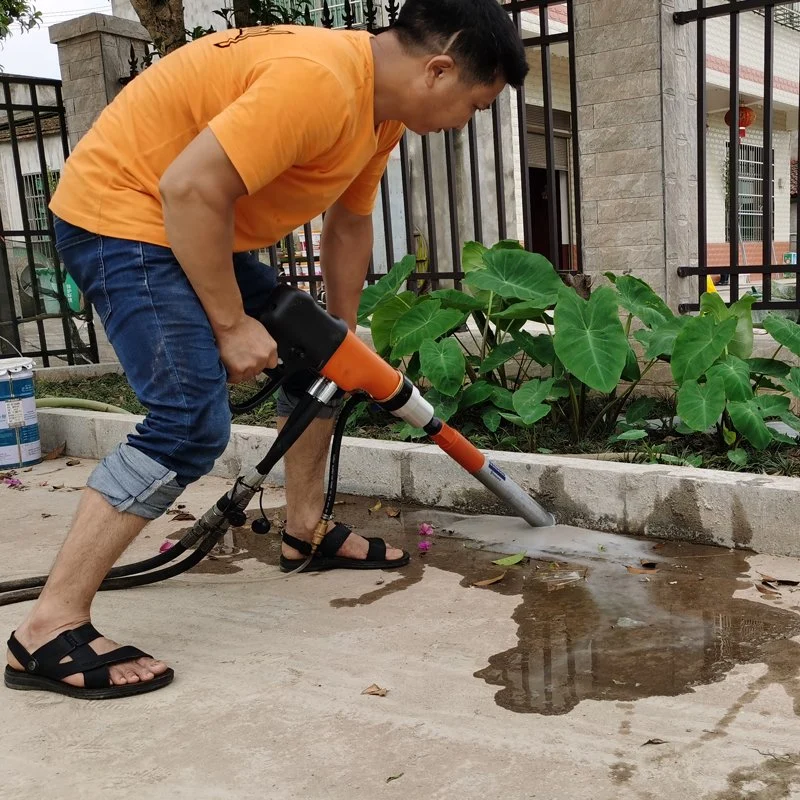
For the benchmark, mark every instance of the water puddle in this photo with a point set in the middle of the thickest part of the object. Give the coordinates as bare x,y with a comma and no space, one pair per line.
587,627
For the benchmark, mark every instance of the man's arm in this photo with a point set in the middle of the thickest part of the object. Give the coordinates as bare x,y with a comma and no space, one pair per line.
198,192
345,250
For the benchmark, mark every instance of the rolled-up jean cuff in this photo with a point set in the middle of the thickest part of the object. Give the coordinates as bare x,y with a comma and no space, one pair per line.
287,400
132,481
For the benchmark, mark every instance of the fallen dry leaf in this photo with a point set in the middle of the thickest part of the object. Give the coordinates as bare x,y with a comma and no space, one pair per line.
673,583
648,564
73,462
376,507
659,546
375,690
641,570
57,453
490,581
778,581
654,741
394,777
45,516
766,590
184,516
392,512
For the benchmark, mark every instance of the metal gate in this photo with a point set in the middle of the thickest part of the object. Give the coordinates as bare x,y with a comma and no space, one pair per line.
42,313
750,190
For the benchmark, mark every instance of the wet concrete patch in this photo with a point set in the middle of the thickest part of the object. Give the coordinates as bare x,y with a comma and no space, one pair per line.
610,634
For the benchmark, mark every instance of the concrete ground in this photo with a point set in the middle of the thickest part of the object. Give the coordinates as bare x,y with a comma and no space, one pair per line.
572,677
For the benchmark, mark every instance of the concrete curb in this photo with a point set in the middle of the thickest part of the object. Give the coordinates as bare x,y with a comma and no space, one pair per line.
708,506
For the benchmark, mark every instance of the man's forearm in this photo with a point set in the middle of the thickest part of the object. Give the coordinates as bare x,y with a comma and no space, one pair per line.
201,236
345,252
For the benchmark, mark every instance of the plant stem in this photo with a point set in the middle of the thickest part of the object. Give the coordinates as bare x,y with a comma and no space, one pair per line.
576,422
486,326
619,401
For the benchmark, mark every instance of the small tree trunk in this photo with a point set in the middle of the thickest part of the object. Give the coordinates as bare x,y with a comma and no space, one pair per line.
164,22
241,13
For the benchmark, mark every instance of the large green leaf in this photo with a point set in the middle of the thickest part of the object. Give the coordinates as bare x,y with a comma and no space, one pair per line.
631,371
444,406
700,343
472,256
499,355
539,348
524,310
701,405
502,398
638,298
389,284
640,410
750,423
661,340
768,366
792,381
791,420
491,419
474,394
443,364
452,298
425,321
711,304
773,405
742,343
735,374
386,314
507,244
589,338
519,275
529,400
783,331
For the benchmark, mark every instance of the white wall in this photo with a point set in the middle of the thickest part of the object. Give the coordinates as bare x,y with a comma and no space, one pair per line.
29,162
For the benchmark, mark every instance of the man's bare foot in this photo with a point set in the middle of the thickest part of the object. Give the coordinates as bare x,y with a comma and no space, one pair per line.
354,546
33,635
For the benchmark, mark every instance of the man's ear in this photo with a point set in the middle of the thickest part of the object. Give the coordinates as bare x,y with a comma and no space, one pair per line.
438,67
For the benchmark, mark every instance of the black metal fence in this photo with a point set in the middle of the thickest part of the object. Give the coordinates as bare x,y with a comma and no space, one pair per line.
749,179
41,311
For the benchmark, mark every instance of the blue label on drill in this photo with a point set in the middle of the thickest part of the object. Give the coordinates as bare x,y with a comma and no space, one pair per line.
498,473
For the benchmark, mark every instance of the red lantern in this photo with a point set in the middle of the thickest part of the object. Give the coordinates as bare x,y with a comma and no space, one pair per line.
746,118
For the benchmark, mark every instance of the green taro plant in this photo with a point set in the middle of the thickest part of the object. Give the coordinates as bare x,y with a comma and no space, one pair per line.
518,346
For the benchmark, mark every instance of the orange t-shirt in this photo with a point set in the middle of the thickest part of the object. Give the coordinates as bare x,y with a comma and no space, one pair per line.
291,106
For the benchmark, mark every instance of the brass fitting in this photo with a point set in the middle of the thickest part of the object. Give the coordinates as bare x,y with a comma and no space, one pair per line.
319,534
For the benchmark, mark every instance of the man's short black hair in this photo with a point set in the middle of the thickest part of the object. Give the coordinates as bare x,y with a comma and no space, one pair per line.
487,46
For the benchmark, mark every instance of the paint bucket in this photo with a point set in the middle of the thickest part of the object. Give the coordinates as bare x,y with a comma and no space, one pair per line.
19,429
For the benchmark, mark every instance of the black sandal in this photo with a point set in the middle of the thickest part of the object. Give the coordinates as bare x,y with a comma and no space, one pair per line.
325,558
44,672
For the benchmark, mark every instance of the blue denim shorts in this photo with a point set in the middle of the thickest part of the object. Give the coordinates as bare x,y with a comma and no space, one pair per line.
161,335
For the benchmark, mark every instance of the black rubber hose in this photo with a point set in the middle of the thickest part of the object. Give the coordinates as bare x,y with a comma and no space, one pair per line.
109,584
117,572
336,448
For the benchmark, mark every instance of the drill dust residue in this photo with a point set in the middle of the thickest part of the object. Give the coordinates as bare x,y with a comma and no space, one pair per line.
612,636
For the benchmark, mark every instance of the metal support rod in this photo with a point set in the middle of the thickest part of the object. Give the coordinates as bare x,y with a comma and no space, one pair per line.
552,186
768,165
733,154
702,152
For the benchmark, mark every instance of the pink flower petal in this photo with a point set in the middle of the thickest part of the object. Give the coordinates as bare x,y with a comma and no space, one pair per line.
425,529
166,546
424,546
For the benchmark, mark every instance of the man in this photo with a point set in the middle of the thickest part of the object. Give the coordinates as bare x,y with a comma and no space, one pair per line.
225,146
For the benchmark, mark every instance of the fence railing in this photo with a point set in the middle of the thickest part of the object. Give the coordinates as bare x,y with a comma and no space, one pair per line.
743,171
41,311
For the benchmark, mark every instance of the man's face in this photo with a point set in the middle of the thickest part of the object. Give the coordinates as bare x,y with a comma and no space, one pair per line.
441,100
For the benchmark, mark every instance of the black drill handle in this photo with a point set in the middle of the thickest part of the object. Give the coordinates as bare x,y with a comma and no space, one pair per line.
306,335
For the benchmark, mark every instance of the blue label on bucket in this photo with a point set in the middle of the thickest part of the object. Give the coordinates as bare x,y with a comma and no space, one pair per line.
16,387
26,435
